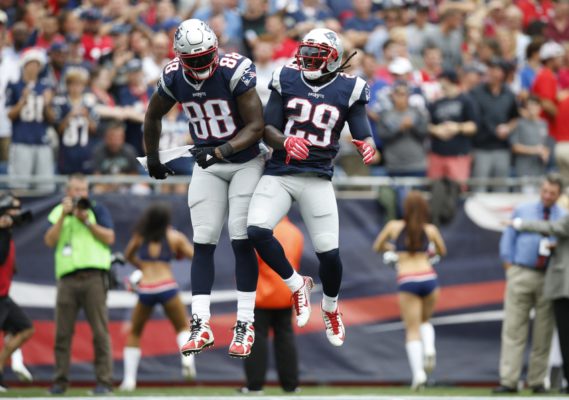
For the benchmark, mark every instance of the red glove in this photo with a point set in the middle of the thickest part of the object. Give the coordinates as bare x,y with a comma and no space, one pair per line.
366,150
296,148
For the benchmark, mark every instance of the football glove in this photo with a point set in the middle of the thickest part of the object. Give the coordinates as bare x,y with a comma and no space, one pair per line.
366,150
205,156
296,148
156,169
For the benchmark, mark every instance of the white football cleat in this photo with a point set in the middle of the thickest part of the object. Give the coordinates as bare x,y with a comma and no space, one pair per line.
243,339
201,337
302,301
335,331
22,373
127,386
419,381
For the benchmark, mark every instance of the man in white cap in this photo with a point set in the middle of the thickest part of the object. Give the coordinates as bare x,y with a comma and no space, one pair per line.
27,101
545,87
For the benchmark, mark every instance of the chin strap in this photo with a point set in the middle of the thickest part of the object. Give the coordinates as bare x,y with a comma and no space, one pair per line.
345,64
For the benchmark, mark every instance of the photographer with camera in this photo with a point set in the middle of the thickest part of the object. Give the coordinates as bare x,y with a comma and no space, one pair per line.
13,321
81,232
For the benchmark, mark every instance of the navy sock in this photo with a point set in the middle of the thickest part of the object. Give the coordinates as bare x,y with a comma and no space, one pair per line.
330,272
246,267
270,250
203,269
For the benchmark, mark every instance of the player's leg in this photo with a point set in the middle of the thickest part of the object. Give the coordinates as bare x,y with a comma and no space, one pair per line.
131,352
207,199
241,190
411,312
427,330
270,203
176,313
319,211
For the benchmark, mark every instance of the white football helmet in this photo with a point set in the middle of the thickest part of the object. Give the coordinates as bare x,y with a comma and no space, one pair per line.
195,44
319,53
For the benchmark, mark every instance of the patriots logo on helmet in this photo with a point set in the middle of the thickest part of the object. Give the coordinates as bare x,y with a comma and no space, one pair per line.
332,37
248,76
178,34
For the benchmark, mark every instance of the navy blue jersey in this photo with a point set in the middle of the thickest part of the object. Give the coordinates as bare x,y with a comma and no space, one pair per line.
30,127
75,143
211,105
318,114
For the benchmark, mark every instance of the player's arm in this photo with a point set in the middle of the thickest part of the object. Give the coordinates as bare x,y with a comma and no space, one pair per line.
296,147
361,132
131,249
251,112
158,107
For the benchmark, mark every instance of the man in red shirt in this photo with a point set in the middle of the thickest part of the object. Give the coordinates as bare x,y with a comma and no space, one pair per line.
545,87
558,27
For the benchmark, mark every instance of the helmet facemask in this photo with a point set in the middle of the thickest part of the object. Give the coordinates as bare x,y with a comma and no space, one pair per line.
199,66
313,58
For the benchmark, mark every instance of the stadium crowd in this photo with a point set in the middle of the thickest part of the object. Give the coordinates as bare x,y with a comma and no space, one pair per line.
458,88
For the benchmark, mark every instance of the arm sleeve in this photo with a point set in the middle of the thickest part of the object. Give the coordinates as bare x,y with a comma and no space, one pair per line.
103,216
358,121
507,242
274,111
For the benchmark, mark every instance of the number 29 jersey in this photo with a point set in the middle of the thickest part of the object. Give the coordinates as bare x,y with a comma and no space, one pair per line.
211,105
316,113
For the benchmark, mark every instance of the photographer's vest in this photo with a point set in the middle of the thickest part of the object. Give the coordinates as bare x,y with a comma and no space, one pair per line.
77,248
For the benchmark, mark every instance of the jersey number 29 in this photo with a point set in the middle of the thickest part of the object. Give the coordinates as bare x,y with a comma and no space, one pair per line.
322,116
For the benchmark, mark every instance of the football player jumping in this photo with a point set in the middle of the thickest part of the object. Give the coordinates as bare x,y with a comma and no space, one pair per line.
309,104
219,98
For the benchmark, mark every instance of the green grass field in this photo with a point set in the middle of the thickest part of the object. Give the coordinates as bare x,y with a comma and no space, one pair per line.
309,391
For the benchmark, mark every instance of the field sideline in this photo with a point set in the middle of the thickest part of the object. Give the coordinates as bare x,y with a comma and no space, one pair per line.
313,392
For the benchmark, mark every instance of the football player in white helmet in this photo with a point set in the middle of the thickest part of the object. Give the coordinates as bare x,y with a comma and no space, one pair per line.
309,104
217,93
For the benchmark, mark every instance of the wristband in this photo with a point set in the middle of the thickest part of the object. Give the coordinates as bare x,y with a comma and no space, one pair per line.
225,150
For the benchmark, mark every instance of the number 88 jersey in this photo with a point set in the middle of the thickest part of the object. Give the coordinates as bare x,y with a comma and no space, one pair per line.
316,113
211,105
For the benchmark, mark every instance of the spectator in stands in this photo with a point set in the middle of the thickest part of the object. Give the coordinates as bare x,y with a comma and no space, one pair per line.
226,44
308,15
81,234
13,321
427,78
403,130
153,63
253,20
453,123
95,43
514,23
273,311
70,23
27,101
283,46
233,28
150,249
531,145
113,156
48,32
263,58
545,88
409,238
20,36
76,124
497,112
532,65
116,59
9,71
134,97
357,28
525,257
418,31
448,38
472,76
106,108
55,69
558,26
534,10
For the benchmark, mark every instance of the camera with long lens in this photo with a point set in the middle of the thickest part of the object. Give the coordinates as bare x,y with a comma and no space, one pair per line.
82,203
11,206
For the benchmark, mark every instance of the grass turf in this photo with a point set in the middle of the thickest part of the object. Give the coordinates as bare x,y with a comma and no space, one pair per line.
271,391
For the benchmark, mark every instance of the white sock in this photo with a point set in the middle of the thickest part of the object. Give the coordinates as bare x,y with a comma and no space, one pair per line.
295,282
131,359
200,306
17,358
428,338
415,356
246,306
329,304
